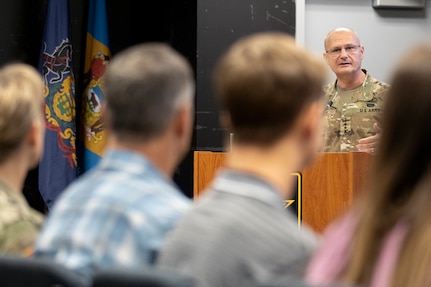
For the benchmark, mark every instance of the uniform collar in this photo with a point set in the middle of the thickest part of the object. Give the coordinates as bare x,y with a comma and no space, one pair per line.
366,95
247,185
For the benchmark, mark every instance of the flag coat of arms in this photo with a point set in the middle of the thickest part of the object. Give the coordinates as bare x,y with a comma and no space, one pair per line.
58,164
93,133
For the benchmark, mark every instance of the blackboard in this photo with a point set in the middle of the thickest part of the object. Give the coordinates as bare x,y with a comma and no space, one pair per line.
219,24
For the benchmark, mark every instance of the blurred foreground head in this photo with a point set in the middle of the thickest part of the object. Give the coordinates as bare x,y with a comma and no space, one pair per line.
21,108
400,187
263,84
149,92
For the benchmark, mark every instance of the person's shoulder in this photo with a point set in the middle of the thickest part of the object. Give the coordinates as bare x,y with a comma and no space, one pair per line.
309,237
377,84
19,235
35,217
300,235
9,217
164,206
15,209
375,88
329,88
93,183
380,84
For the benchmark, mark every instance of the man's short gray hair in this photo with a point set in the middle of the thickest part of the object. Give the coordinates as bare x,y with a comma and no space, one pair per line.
144,86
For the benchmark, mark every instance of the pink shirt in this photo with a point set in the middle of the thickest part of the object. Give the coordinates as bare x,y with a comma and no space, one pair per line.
331,258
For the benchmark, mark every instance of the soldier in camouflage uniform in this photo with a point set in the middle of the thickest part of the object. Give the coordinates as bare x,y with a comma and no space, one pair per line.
21,142
354,100
19,224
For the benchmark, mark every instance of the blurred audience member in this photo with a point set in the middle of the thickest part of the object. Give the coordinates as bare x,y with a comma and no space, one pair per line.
119,213
270,94
384,240
21,144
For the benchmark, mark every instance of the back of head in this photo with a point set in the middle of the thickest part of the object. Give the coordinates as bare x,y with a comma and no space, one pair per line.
144,86
263,83
21,102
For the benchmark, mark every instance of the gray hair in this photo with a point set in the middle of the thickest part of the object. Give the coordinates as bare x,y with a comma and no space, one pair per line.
144,86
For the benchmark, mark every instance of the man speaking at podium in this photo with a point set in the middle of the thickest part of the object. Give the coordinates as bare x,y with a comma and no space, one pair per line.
354,102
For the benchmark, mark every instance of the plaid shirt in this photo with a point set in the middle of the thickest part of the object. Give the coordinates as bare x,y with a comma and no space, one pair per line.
116,215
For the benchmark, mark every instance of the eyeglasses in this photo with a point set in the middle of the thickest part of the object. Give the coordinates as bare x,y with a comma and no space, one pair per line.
350,49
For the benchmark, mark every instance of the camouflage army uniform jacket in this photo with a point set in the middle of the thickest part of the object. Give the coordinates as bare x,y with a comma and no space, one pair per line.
346,123
19,223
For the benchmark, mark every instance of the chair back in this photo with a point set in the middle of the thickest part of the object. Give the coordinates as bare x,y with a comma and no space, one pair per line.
25,272
151,277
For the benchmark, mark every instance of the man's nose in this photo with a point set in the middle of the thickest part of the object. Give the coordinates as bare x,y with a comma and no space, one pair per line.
343,53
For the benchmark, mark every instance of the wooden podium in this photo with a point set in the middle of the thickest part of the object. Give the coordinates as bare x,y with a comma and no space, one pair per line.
328,186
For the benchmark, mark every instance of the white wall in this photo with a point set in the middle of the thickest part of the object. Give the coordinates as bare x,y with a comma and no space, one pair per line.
386,35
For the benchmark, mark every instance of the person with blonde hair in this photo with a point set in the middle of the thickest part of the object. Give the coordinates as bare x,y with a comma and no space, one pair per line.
384,240
21,145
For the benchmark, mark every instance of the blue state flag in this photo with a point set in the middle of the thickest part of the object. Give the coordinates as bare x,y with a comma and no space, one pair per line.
97,56
58,165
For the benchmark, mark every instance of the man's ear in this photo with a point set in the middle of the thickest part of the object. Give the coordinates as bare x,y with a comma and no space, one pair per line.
183,121
182,129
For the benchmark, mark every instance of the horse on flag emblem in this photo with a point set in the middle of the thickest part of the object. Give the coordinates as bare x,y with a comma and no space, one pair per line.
59,99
